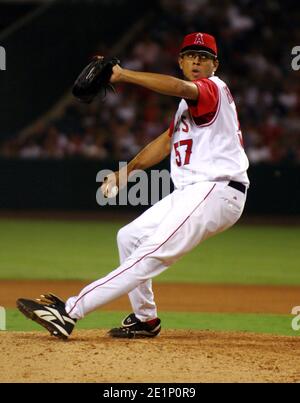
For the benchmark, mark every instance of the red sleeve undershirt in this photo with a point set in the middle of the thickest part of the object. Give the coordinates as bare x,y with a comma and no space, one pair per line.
204,109
207,100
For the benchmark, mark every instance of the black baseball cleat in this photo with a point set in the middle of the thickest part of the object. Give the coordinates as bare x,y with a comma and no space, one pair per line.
132,328
49,312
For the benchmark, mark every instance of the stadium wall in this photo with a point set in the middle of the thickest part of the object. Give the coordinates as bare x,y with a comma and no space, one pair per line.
71,185
46,52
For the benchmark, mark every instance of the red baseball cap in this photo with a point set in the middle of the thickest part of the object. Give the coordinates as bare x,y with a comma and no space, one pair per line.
200,40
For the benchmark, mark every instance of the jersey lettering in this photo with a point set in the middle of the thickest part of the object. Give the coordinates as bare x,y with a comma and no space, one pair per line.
188,151
213,150
239,132
228,94
184,127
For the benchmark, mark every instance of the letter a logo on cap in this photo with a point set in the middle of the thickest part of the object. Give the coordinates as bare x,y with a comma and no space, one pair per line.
199,39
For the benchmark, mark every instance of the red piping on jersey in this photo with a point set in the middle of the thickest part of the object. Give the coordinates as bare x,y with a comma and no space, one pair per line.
172,125
214,118
171,128
147,254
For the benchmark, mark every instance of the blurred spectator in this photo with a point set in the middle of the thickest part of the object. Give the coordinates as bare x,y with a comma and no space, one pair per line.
31,150
55,144
258,151
253,61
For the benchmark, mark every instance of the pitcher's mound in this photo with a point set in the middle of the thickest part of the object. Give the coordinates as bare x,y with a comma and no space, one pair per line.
174,356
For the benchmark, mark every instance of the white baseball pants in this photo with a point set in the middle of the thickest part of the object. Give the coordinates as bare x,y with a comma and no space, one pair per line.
157,239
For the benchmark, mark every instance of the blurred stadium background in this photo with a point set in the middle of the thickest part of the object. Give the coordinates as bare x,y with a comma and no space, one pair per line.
53,234
51,146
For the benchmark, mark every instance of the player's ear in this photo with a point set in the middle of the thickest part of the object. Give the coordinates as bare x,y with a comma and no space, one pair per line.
216,65
180,61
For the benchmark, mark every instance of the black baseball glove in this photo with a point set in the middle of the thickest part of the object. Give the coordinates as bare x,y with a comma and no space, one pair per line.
94,79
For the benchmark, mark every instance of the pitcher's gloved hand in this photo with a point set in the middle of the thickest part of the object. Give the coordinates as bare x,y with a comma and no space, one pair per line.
94,79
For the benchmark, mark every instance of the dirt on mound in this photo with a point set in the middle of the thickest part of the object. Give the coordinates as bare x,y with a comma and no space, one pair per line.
174,356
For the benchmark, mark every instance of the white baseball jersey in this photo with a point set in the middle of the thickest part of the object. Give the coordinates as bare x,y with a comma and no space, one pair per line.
208,151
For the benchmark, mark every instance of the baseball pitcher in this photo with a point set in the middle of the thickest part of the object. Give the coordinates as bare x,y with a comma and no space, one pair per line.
209,171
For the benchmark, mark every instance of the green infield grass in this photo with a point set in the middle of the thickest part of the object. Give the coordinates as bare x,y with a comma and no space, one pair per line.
257,323
87,251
